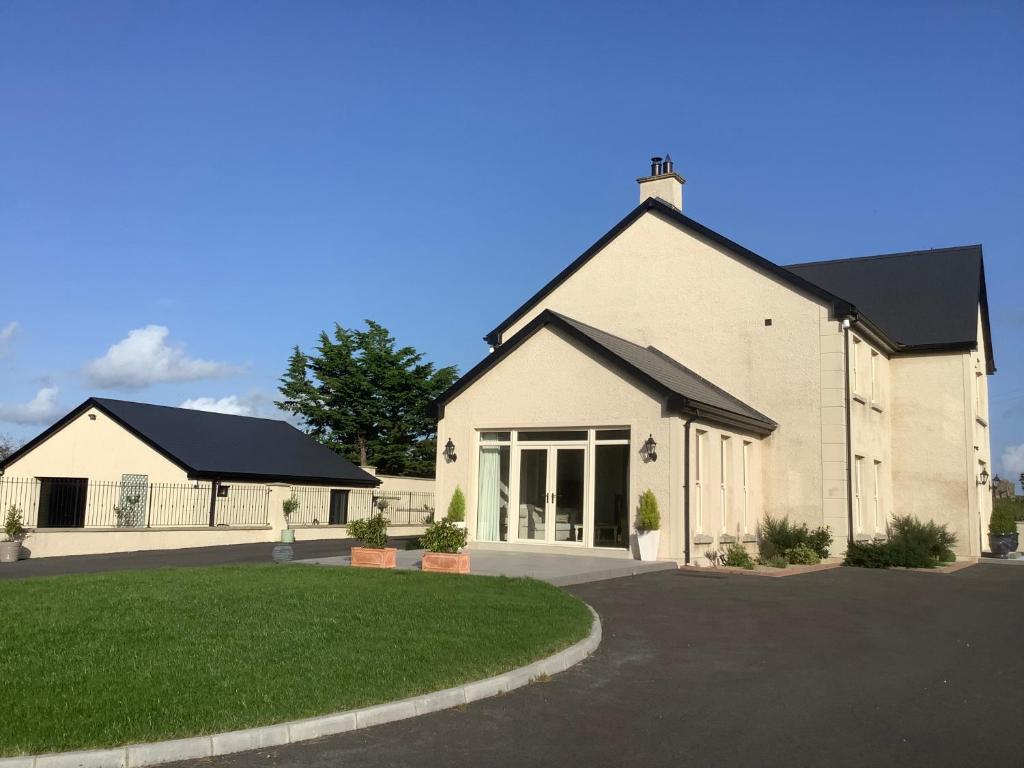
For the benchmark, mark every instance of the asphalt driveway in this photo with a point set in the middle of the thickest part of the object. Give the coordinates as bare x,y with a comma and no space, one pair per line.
847,667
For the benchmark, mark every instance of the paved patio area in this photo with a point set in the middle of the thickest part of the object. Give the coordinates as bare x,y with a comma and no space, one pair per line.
560,570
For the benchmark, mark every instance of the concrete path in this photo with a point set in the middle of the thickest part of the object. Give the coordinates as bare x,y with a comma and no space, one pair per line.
848,667
560,570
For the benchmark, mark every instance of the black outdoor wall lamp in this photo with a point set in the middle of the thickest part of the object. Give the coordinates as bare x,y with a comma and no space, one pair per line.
449,450
983,477
649,450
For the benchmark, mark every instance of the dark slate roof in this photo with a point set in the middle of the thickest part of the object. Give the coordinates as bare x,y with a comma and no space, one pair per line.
921,300
686,391
840,306
217,445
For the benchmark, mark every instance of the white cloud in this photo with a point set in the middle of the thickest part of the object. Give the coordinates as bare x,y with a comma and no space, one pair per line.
1013,460
145,357
41,409
7,334
252,404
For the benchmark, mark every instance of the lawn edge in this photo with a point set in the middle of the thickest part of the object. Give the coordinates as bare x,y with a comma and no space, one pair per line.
294,731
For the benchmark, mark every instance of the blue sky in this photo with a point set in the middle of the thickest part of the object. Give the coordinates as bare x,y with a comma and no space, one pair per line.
203,185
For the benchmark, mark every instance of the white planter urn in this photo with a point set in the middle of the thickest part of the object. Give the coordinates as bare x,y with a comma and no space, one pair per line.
647,543
10,551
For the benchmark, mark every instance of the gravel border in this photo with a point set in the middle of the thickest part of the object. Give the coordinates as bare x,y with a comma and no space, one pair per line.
279,734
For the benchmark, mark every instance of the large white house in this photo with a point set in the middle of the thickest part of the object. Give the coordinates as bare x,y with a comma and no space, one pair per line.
668,357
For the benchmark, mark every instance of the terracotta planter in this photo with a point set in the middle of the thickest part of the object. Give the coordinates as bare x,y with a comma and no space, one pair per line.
10,551
446,562
369,557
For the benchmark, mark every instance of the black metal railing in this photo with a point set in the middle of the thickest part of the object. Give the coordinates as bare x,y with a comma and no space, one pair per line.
334,506
135,503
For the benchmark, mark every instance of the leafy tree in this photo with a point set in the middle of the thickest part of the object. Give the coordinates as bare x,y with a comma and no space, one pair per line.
8,445
366,399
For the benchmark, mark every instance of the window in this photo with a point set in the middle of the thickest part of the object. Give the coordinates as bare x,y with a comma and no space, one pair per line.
723,480
854,364
858,485
876,392
493,493
979,394
746,485
555,435
878,502
698,481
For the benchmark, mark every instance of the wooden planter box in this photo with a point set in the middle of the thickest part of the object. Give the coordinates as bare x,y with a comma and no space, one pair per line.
445,562
368,557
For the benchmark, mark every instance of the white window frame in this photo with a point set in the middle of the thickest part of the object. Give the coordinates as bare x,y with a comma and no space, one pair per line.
854,366
858,485
723,479
876,394
698,480
877,467
746,485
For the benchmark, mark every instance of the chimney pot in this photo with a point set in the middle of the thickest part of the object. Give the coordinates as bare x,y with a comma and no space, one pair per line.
663,184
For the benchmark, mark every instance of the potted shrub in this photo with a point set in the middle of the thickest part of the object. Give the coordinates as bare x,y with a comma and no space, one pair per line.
648,526
457,508
14,532
289,506
1002,531
443,541
372,533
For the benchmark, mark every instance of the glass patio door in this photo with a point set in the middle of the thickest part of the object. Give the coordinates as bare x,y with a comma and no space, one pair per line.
551,494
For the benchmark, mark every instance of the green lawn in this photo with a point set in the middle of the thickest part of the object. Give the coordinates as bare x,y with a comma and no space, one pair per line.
107,659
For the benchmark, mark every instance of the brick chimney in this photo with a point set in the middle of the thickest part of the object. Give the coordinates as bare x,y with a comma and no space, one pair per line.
663,183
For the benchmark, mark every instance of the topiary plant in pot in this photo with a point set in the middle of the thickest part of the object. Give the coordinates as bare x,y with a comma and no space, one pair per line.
1002,531
457,508
289,507
648,526
444,541
14,532
372,533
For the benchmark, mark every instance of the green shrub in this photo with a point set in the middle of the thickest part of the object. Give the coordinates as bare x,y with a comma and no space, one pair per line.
773,561
868,554
802,554
911,544
443,536
648,518
372,532
457,506
776,536
820,539
1015,505
14,524
1002,522
736,556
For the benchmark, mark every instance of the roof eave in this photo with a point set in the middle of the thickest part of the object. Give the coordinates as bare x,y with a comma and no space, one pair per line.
227,476
685,406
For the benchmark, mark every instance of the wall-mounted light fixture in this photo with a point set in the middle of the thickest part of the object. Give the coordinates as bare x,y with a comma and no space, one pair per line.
983,477
649,450
449,450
